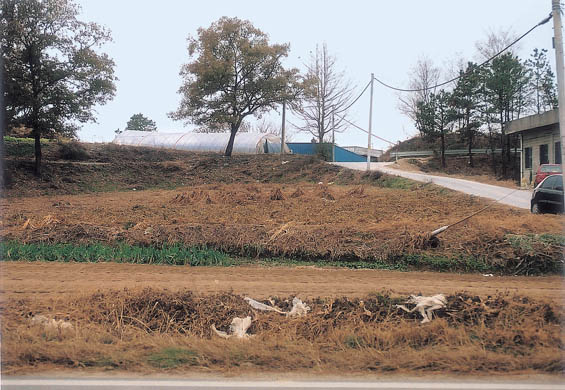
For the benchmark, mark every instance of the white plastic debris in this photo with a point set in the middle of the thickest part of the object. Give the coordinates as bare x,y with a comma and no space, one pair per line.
51,324
298,308
238,328
488,275
261,306
425,305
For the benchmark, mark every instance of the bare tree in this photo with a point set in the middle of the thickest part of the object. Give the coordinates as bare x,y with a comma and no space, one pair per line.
423,77
326,92
494,42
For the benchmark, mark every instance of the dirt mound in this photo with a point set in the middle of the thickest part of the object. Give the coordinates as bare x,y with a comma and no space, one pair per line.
324,192
297,193
277,195
357,191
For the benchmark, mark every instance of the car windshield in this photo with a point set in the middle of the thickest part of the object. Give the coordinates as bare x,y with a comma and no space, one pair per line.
551,169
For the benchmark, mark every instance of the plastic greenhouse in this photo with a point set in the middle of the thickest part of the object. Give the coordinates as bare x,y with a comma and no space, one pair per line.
244,143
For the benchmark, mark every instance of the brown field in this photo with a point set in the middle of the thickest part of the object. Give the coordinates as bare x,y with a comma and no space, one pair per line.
303,220
146,318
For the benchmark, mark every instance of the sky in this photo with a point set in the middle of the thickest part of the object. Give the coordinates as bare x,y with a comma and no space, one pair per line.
382,37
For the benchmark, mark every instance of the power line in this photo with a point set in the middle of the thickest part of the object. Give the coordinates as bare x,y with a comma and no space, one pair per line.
355,101
544,21
365,131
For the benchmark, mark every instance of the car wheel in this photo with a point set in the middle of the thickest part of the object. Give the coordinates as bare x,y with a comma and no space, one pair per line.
535,209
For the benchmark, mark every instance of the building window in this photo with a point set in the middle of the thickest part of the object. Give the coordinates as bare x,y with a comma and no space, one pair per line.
528,158
557,153
543,154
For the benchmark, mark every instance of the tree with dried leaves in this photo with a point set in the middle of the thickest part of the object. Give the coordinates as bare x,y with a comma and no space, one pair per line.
234,73
495,42
326,92
53,74
423,77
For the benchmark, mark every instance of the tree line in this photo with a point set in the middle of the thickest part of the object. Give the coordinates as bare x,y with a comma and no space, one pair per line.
482,100
54,74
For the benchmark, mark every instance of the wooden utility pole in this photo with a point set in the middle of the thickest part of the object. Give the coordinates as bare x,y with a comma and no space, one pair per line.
370,126
283,127
333,134
558,42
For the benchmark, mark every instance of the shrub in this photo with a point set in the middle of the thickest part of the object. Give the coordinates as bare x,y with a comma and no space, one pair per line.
73,151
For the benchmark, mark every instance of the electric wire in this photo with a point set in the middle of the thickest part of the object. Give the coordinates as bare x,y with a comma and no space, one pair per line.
355,101
365,131
544,21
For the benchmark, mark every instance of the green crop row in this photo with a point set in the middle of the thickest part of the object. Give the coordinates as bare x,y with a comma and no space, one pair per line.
121,253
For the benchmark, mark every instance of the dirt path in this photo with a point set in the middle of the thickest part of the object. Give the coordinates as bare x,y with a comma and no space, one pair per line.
49,280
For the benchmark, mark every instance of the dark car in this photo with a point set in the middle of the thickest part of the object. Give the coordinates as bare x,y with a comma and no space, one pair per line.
548,196
546,170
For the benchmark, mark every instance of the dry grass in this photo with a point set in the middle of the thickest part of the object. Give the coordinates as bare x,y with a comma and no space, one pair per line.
304,221
458,167
148,330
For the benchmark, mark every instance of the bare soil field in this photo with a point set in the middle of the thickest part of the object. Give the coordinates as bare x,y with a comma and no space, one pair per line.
305,221
144,318
41,281
156,318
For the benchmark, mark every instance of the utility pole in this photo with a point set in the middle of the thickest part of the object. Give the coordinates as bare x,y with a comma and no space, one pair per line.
283,127
557,27
333,134
370,124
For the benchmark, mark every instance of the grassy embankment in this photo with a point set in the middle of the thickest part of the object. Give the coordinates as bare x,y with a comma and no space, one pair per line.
197,256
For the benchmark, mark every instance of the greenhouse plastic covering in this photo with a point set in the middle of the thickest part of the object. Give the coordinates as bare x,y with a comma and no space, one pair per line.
244,143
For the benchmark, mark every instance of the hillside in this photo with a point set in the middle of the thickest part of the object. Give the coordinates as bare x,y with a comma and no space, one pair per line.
74,168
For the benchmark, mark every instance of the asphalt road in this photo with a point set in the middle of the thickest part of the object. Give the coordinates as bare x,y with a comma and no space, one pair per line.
172,384
508,196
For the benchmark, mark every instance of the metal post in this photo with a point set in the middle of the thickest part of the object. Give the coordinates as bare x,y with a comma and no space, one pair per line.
283,127
370,124
333,134
556,9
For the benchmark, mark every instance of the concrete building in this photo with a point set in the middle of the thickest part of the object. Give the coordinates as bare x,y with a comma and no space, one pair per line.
376,154
540,143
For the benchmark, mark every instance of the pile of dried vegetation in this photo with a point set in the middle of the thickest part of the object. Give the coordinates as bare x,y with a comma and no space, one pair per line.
132,329
387,227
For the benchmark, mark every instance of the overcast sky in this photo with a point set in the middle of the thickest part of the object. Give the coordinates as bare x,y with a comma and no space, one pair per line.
383,37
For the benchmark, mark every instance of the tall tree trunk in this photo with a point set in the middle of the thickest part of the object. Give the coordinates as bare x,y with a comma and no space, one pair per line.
37,166
229,148
502,144
492,144
508,149
470,148
443,165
